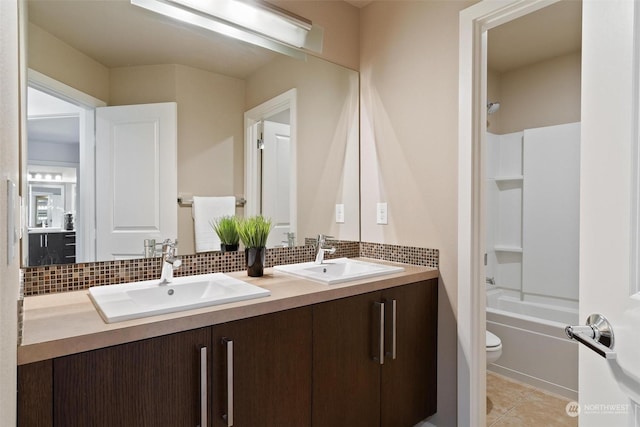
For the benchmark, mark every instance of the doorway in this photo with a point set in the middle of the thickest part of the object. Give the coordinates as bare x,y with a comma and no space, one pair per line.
532,204
59,169
475,22
270,166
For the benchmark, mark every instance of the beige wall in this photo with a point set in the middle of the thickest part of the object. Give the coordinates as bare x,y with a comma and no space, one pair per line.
493,95
341,23
327,140
543,94
409,120
140,85
58,60
210,141
210,128
9,272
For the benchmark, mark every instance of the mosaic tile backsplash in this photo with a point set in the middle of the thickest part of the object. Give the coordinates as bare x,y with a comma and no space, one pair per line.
75,277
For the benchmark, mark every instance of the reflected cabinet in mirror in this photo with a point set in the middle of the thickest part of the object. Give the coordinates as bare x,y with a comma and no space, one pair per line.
280,132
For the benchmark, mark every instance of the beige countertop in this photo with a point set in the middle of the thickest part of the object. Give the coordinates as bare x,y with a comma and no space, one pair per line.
65,323
37,230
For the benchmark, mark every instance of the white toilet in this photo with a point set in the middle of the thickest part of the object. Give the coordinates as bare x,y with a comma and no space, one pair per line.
494,348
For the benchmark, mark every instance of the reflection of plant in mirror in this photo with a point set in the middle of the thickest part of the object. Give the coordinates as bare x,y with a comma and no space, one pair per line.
226,228
254,231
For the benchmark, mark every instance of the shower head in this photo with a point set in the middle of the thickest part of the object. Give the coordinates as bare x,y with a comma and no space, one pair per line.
492,107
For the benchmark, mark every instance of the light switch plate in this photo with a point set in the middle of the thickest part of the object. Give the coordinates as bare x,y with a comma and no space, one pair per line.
339,213
12,235
381,213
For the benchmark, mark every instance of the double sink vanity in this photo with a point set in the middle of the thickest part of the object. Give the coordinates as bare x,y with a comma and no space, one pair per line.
349,342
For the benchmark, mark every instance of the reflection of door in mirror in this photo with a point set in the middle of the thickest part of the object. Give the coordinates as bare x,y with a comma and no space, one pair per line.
270,166
138,202
275,165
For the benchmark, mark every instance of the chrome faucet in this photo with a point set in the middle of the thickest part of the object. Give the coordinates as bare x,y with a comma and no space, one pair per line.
291,239
321,250
169,261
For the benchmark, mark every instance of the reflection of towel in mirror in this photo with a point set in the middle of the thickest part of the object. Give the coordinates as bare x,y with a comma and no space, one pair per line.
204,211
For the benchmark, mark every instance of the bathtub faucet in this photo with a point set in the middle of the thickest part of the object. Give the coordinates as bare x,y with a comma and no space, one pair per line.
490,281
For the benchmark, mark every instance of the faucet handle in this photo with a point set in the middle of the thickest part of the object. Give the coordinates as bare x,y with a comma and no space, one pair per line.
169,242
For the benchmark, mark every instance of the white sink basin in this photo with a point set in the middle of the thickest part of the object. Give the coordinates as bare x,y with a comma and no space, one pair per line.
338,270
126,301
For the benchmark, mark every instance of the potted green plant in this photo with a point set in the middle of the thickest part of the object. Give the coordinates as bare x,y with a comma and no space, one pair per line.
254,232
226,228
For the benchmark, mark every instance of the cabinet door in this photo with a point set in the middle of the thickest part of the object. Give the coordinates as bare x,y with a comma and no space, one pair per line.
35,388
36,251
262,371
346,377
54,246
155,382
409,377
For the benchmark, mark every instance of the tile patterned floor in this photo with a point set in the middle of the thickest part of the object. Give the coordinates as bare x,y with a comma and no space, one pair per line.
512,403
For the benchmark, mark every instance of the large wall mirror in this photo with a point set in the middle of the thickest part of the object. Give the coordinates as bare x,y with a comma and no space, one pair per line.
111,53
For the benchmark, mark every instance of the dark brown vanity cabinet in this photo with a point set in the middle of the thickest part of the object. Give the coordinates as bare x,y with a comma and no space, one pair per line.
374,358
255,371
314,366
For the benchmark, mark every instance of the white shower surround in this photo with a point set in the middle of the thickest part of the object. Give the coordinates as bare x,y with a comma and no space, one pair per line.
532,189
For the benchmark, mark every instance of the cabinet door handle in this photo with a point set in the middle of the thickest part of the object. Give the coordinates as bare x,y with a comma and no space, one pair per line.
229,364
203,387
46,240
394,330
378,309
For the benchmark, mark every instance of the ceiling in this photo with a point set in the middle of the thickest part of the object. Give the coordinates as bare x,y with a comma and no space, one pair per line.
553,31
57,130
118,34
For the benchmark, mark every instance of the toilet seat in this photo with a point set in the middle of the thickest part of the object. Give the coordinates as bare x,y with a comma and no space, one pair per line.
493,347
493,342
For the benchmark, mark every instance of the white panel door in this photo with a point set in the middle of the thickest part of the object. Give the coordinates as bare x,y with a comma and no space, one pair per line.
276,178
550,211
609,389
136,178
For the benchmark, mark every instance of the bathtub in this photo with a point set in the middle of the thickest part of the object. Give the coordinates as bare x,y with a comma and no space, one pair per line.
535,349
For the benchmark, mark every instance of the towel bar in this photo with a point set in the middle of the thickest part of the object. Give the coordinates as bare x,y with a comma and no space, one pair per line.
185,201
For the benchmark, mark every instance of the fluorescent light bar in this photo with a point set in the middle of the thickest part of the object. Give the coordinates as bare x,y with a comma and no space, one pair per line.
291,30
254,22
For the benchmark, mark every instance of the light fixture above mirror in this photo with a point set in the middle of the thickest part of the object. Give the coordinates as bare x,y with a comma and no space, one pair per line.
256,22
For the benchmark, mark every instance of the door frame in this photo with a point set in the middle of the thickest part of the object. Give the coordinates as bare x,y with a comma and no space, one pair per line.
252,117
86,235
475,21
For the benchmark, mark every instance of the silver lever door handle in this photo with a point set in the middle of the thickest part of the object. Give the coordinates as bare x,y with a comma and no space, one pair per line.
597,335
